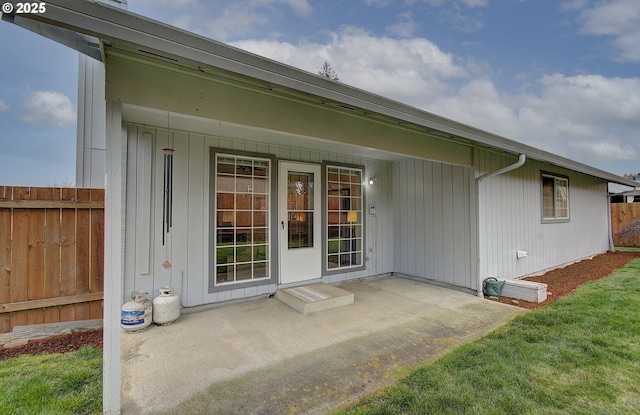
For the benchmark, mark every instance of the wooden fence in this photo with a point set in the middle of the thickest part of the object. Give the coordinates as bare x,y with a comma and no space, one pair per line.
625,224
51,255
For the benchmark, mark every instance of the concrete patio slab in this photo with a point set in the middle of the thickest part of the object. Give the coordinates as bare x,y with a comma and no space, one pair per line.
263,357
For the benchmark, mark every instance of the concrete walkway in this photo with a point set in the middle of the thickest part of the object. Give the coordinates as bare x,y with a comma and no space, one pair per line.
263,357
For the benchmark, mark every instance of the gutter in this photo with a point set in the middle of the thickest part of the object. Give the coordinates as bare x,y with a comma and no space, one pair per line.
521,160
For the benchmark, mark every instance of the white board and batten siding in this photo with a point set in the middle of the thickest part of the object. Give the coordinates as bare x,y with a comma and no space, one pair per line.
511,219
183,262
435,230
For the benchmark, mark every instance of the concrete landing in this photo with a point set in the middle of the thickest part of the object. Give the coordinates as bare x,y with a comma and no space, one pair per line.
314,298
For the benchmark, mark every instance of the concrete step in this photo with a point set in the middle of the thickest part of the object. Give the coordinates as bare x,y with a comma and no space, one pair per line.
313,298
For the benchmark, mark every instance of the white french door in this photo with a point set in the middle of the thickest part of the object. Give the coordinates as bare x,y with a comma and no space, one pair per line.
299,222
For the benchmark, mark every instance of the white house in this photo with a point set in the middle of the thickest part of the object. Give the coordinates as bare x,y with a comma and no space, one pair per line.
230,175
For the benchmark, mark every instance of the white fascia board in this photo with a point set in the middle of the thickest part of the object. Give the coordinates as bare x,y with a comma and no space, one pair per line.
118,26
87,45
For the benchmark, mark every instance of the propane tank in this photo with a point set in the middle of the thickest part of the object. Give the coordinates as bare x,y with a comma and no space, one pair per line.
136,314
166,307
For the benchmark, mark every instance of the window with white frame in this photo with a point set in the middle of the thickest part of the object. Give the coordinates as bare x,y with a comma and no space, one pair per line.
241,219
555,198
344,218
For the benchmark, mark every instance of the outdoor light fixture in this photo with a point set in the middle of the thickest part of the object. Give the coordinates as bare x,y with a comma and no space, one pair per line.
372,179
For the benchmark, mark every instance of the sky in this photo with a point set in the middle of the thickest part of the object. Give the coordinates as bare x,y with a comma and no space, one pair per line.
562,76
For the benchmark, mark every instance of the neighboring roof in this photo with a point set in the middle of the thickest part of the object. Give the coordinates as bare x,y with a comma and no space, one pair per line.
617,189
118,26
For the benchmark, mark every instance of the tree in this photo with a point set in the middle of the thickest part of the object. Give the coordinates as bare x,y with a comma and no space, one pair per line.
328,72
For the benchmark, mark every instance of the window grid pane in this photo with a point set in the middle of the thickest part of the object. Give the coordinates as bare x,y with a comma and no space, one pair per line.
300,202
242,219
555,197
344,217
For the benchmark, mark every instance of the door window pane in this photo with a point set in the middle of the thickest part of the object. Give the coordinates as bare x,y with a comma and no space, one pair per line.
300,210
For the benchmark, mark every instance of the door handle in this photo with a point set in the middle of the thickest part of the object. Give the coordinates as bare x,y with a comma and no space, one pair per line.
282,223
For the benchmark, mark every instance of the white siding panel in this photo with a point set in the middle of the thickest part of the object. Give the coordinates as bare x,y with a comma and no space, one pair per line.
197,222
433,214
438,225
179,235
510,219
162,253
131,213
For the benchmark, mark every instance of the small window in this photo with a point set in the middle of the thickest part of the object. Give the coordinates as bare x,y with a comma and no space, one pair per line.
555,198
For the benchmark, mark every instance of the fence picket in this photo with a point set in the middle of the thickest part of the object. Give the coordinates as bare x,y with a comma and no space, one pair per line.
625,224
5,260
52,252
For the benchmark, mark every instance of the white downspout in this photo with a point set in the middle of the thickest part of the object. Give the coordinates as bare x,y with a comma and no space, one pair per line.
521,160
612,247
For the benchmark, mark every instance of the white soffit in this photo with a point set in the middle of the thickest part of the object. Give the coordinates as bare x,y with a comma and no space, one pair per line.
191,124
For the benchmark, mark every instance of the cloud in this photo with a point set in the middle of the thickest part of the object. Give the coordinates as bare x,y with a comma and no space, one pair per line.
607,151
467,3
183,21
299,7
587,117
462,21
236,20
408,70
594,97
405,26
3,106
48,108
618,19
243,18
170,3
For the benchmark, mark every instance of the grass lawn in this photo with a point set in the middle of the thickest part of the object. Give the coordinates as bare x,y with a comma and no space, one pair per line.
51,384
578,355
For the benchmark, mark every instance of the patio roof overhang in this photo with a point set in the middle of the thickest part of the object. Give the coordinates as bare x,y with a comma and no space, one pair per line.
79,23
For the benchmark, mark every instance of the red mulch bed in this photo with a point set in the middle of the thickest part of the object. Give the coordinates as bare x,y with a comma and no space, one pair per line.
55,344
562,281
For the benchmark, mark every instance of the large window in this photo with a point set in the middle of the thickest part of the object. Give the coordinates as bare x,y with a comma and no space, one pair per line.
555,198
241,219
344,218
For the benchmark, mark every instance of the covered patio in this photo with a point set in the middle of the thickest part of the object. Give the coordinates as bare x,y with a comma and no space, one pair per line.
263,357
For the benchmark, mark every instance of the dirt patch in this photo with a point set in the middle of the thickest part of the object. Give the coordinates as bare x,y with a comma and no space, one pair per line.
56,344
629,235
560,282
563,281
